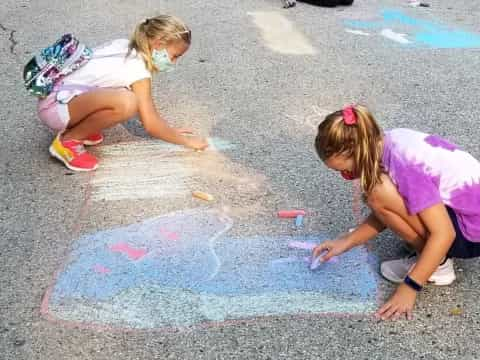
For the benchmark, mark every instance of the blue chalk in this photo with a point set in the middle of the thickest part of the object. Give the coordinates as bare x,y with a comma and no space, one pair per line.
299,221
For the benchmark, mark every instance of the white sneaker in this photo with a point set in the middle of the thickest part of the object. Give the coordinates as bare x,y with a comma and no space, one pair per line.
396,270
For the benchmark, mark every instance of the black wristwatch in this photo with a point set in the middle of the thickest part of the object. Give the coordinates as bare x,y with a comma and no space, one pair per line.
412,283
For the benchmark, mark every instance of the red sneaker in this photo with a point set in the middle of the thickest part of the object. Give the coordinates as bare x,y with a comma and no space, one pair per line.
73,154
93,139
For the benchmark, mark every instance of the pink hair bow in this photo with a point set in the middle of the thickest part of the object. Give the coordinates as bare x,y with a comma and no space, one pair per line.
349,116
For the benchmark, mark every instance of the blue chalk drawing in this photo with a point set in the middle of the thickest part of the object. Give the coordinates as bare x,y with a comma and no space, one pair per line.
220,144
201,276
421,32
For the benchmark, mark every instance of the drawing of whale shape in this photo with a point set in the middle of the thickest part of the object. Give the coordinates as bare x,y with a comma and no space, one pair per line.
201,275
144,253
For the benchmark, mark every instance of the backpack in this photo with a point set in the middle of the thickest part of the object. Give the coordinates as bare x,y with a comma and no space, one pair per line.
46,69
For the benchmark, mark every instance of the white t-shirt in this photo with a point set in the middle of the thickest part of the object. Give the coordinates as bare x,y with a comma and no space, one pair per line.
110,68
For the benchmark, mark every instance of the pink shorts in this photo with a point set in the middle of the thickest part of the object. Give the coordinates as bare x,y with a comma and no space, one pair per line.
53,110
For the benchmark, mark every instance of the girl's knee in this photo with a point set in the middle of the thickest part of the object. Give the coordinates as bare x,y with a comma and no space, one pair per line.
126,105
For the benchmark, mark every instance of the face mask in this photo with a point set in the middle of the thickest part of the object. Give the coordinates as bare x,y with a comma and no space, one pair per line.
347,175
162,61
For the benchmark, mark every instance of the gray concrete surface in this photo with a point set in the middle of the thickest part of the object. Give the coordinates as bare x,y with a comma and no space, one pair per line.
232,85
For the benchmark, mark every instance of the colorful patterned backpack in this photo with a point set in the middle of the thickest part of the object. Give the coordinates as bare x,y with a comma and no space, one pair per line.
53,63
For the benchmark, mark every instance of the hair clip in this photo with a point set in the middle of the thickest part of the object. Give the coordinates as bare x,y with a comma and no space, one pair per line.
146,21
349,116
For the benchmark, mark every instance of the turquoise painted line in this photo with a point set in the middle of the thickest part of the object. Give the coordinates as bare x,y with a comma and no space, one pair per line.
421,32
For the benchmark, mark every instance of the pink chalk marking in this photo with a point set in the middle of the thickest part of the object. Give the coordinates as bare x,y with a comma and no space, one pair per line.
169,234
301,245
132,253
100,269
288,214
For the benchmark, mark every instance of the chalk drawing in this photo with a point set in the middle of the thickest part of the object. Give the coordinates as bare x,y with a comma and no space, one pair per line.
220,144
169,234
392,35
148,169
202,277
280,34
357,32
313,263
100,269
129,251
410,31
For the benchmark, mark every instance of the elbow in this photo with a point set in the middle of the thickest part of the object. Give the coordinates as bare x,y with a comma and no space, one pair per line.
451,234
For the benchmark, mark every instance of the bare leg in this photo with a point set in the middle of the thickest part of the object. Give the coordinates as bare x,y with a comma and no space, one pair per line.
389,207
96,110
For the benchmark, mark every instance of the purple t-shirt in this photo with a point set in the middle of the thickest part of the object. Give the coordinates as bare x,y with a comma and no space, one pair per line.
428,170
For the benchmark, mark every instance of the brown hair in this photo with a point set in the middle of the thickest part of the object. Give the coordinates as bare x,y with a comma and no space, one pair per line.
361,141
165,27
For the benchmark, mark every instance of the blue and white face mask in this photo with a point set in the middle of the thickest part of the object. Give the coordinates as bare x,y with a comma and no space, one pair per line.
162,61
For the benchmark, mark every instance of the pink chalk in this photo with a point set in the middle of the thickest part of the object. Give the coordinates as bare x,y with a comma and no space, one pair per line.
301,245
100,269
132,253
287,214
169,235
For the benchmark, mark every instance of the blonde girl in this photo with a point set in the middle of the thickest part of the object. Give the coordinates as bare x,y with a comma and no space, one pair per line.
420,186
114,86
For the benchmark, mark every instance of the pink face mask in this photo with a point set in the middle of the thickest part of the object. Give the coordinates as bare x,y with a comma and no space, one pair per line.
347,175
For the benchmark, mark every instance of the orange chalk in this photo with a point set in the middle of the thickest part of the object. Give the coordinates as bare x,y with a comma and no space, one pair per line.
203,195
290,213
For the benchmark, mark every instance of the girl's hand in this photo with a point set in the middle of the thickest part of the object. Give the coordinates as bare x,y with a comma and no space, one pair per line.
400,304
332,248
196,143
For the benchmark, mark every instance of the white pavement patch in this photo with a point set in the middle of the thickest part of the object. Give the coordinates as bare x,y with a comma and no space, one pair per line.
143,170
280,34
392,35
357,32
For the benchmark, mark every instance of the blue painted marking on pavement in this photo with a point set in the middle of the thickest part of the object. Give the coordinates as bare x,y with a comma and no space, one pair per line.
421,32
178,270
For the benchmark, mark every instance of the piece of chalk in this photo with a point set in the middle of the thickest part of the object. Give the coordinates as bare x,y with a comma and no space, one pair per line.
202,195
299,221
315,263
290,213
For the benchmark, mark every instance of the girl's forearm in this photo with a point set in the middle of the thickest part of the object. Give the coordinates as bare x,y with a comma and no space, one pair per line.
367,230
161,130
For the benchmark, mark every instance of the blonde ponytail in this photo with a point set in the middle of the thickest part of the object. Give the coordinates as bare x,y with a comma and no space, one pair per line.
361,140
167,28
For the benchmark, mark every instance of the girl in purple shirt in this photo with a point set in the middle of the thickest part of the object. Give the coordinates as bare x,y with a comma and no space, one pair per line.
420,186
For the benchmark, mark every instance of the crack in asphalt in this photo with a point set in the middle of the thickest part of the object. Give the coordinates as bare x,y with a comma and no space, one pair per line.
11,38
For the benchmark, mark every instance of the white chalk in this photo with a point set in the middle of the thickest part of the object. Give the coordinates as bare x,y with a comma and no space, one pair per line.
315,263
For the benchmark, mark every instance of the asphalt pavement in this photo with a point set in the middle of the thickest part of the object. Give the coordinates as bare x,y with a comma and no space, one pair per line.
257,80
